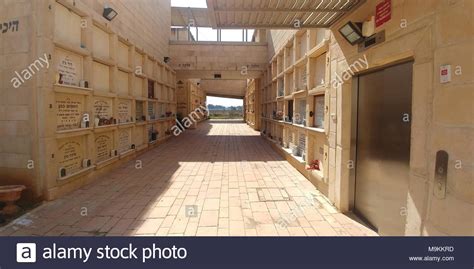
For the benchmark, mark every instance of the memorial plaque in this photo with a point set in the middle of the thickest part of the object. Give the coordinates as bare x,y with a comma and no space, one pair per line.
68,72
103,147
70,155
302,145
151,110
69,111
124,111
69,66
319,111
124,140
160,111
103,111
139,111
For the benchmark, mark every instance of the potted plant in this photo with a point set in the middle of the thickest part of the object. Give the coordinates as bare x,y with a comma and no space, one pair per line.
9,195
314,165
279,115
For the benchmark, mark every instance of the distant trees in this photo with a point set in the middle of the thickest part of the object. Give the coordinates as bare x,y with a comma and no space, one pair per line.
219,107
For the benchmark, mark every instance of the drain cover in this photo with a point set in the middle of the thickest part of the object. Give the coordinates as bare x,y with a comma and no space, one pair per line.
272,194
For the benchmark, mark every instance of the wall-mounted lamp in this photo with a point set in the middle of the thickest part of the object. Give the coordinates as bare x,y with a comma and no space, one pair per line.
109,13
352,32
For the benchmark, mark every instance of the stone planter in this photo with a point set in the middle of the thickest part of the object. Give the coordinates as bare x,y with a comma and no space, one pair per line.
9,195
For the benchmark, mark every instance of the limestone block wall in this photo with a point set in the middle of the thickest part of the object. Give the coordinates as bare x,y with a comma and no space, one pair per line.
190,97
432,33
233,60
429,33
252,104
18,132
277,39
145,22
98,93
294,103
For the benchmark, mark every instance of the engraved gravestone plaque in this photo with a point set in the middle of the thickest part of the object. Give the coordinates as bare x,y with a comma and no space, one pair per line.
103,111
71,156
103,147
67,70
124,111
139,111
69,110
124,140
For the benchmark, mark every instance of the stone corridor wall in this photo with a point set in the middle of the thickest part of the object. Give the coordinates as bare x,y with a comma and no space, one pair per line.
25,126
432,33
18,132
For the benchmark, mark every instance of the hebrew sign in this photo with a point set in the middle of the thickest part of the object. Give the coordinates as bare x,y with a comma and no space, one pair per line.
9,26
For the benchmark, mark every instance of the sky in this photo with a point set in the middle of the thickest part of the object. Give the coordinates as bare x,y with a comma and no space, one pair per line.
209,34
224,101
188,3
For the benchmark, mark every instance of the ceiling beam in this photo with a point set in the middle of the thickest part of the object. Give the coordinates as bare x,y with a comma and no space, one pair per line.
225,95
272,26
211,13
222,10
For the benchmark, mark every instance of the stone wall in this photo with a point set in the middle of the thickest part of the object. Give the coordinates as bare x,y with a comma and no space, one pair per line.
432,33
18,133
277,39
27,129
145,22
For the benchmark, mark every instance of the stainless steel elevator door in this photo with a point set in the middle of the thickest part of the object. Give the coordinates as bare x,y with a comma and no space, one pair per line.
383,147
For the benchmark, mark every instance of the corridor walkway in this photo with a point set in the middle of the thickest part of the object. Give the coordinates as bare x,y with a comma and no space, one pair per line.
219,179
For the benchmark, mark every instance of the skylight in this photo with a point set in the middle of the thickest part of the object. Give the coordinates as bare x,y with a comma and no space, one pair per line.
189,3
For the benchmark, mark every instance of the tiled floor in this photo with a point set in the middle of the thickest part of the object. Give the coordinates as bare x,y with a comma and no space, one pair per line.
220,179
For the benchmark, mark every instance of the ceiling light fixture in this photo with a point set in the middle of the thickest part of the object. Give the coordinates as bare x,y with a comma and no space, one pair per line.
352,32
109,13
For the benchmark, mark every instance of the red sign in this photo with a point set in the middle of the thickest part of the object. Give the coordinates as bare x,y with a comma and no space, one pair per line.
383,12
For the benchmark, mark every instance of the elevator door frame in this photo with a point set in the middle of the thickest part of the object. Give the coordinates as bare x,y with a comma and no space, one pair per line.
354,123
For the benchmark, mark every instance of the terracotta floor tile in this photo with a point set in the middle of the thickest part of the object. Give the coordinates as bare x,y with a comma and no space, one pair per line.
203,182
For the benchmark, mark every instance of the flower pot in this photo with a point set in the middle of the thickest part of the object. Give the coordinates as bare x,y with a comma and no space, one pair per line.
9,195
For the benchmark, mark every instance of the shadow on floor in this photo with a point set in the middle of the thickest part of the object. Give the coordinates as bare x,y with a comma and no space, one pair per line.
128,194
